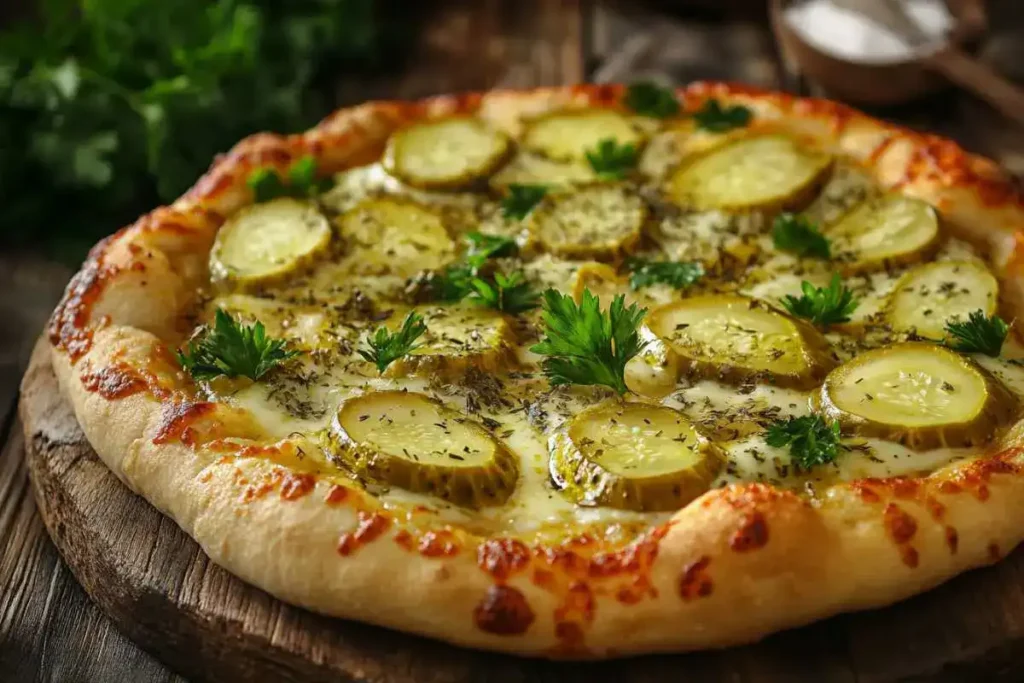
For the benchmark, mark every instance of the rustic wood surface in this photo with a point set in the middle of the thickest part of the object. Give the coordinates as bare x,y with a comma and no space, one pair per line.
968,630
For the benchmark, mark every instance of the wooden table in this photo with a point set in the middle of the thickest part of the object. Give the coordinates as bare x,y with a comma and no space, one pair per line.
49,631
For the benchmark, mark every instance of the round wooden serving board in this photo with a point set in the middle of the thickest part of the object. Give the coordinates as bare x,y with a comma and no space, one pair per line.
164,593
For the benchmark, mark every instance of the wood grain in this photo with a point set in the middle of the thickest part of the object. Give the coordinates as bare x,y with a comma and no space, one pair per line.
163,592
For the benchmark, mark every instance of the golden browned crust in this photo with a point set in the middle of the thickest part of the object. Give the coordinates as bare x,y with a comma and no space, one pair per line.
732,566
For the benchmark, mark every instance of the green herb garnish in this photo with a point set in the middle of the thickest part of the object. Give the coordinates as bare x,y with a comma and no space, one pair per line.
812,441
452,283
798,235
387,347
483,247
678,275
266,184
612,161
718,119
234,350
584,345
521,199
650,99
510,294
978,334
823,306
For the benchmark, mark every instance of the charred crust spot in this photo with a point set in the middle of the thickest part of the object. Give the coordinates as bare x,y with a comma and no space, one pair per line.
296,486
502,557
901,528
370,527
68,326
440,543
578,604
993,552
543,578
405,540
636,558
752,534
952,540
113,382
503,611
176,422
864,490
695,582
336,495
570,638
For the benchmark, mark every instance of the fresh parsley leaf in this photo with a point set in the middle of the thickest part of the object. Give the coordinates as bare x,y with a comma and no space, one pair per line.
978,334
584,345
234,350
483,247
453,283
677,274
521,199
510,294
798,235
386,347
650,99
715,118
812,441
823,306
612,161
267,184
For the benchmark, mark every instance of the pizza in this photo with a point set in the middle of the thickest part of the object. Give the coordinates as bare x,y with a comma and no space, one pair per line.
572,372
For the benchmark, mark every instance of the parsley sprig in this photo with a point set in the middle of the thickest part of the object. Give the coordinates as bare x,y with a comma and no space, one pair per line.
798,235
301,181
812,441
978,334
511,294
585,345
612,161
521,199
385,347
678,275
823,306
715,118
650,99
233,349
483,247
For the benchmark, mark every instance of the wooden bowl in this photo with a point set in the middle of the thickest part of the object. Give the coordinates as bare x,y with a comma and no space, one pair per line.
873,84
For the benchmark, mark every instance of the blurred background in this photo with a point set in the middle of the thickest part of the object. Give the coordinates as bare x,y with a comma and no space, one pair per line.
111,107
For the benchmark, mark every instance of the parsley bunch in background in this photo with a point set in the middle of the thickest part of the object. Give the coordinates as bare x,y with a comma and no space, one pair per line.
109,108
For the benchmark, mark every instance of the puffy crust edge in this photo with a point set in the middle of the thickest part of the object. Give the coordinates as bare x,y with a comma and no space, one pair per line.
736,564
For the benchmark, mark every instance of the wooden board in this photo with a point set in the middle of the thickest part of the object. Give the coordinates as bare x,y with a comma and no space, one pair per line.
164,593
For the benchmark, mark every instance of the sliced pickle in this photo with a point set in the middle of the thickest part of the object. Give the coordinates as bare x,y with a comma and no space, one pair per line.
413,442
391,235
918,394
569,135
458,337
767,173
883,232
600,222
265,243
527,168
602,280
633,456
930,296
446,155
733,339
845,189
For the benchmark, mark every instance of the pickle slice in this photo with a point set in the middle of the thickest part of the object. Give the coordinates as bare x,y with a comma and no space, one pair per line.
391,235
445,155
413,442
265,243
599,222
568,135
732,338
918,394
930,296
633,456
527,168
883,232
458,337
769,173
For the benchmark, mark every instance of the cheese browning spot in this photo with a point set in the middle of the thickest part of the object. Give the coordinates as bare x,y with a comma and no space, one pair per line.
413,442
503,611
695,582
445,155
920,395
633,456
735,339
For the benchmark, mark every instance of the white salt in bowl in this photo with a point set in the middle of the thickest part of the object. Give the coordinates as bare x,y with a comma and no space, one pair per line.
867,67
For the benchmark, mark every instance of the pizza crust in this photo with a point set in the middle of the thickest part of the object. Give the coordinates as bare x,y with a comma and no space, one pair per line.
733,566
